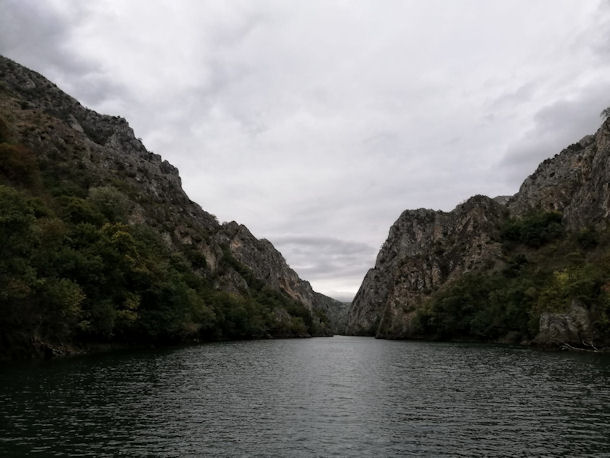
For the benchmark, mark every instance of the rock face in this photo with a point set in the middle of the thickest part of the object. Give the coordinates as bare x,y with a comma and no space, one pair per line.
265,262
99,150
424,250
335,311
427,249
571,328
575,182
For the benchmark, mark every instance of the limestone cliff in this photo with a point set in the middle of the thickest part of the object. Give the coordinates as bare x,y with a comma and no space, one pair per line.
575,182
81,150
424,250
427,250
335,312
265,261
573,328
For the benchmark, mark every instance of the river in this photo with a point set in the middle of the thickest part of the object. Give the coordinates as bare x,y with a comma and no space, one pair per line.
340,396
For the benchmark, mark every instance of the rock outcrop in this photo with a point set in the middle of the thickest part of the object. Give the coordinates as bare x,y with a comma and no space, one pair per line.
426,250
572,328
265,262
335,312
95,150
575,182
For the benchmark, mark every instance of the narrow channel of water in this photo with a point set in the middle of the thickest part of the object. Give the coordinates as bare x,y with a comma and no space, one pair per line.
341,396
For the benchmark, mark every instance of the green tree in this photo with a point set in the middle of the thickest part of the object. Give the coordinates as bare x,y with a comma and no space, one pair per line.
111,203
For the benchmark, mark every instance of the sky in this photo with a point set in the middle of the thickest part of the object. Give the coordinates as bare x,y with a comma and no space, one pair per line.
317,123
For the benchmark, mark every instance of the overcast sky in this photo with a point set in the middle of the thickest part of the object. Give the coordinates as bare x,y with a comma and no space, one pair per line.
316,123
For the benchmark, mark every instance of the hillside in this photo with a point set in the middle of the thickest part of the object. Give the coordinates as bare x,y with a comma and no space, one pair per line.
532,268
99,243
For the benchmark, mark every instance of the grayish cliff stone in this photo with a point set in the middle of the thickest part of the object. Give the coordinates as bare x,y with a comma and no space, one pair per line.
105,147
335,311
571,328
575,182
425,249
502,200
267,264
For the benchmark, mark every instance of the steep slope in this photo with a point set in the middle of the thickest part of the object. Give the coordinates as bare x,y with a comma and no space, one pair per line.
575,182
89,169
334,311
436,266
265,261
424,250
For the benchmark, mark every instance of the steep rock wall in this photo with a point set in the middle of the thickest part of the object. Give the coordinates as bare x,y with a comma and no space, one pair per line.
575,182
424,250
427,249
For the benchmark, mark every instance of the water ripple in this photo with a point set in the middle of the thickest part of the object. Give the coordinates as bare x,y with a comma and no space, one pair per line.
343,396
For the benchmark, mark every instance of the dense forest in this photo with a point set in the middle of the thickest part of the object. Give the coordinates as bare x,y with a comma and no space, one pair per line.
73,270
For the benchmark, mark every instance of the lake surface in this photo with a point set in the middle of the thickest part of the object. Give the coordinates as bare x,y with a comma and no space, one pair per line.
341,396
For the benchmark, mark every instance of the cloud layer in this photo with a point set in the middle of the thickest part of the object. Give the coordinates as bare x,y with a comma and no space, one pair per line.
316,123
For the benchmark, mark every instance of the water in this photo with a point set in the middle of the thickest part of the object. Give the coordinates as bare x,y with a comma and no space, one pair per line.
341,396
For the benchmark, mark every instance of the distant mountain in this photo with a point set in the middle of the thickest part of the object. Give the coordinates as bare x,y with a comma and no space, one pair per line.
99,243
532,268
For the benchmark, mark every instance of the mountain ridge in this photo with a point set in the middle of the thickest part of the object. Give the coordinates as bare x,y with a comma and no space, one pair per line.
429,255
72,152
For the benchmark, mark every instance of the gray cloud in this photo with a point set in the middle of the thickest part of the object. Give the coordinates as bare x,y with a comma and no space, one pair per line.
327,119
37,33
327,260
555,127
316,255
521,95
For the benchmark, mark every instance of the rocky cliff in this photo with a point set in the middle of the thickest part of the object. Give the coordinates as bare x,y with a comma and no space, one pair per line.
335,312
76,151
428,251
266,263
575,182
424,250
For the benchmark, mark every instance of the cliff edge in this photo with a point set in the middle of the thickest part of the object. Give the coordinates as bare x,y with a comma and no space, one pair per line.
432,272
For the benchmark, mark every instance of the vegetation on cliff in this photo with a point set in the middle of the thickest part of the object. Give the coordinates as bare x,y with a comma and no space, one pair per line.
72,270
544,270
99,243
533,267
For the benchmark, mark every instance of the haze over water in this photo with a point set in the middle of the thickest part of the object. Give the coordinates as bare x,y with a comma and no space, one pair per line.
317,397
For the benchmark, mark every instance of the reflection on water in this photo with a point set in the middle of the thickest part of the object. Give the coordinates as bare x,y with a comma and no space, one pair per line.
314,397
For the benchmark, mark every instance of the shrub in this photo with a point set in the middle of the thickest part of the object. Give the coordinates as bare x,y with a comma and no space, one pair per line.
18,165
111,203
4,130
535,229
588,238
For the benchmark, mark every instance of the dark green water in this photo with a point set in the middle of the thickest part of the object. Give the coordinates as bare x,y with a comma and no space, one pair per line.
341,396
